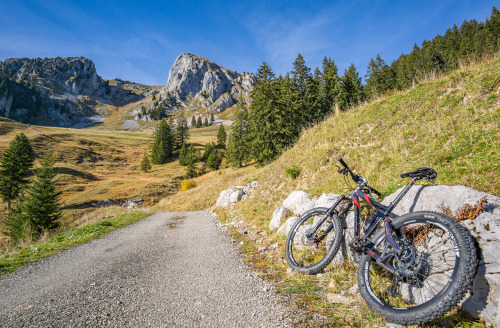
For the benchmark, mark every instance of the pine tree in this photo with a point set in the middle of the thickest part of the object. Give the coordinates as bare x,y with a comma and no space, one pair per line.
198,122
212,119
145,163
163,143
183,155
193,121
351,91
41,207
190,160
205,123
330,86
15,165
221,137
213,161
300,75
238,148
182,130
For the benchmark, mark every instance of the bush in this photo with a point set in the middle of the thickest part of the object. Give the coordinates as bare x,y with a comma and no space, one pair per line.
293,171
187,184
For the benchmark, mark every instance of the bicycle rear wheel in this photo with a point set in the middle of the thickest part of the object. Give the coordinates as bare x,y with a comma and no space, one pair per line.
433,271
311,245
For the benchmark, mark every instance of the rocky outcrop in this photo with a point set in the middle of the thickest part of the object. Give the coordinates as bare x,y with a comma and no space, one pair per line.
56,91
194,78
235,194
484,298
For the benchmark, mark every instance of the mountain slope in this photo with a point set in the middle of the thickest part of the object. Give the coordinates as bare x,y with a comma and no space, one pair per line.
57,91
450,124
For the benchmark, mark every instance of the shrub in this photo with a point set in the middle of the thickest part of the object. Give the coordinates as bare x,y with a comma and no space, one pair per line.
293,171
187,184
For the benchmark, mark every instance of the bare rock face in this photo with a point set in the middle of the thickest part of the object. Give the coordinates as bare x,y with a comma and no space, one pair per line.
56,91
196,78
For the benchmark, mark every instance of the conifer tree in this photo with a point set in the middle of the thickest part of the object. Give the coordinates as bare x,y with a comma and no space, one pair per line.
183,155
163,143
213,161
205,123
15,165
193,121
198,122
238,148
221,137
145,163
330,86
212,119
41,206
351,91
190,161
182,130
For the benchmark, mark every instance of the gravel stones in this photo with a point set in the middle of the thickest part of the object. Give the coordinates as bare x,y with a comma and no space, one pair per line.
144,275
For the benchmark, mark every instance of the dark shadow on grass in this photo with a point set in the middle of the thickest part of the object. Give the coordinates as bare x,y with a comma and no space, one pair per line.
76,173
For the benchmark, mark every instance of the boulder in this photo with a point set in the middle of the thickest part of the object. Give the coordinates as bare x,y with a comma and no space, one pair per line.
299,202
235,194
278,215
285,227
484,299
326,200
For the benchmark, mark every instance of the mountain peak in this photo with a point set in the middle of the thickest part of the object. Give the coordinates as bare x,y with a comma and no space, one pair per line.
216,87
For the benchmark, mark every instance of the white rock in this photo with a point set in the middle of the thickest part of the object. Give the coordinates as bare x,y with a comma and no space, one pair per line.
278,215
326,200
285,227
299,202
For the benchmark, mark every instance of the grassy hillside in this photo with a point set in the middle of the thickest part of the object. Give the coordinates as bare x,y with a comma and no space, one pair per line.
450,124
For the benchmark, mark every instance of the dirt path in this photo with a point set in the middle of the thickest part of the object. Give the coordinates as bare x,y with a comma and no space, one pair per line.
159,272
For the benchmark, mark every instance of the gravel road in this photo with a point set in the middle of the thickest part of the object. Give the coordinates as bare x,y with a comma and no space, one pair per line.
159,272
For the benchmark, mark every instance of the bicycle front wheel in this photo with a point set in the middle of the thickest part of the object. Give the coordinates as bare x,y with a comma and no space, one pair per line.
432,274
313,241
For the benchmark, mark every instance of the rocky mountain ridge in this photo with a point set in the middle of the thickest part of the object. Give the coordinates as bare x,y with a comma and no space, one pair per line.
194,78
56,91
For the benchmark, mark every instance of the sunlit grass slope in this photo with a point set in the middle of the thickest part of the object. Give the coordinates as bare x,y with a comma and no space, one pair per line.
450,124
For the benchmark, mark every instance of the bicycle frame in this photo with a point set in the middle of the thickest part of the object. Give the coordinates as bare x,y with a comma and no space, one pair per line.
381,214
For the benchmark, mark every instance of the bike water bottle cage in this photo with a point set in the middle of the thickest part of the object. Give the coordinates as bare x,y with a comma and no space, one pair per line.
421,173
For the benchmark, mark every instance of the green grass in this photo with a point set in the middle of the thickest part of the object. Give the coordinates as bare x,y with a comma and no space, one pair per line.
73,237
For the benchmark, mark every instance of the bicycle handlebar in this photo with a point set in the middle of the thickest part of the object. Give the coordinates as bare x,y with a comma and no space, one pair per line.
355,177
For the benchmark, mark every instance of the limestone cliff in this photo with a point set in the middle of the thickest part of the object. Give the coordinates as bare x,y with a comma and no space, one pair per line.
213,86
56,91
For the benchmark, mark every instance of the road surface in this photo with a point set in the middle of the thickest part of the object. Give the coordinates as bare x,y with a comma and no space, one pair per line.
159,272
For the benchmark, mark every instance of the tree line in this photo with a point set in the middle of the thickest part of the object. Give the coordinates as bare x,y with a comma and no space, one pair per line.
171,139
282,106
32,203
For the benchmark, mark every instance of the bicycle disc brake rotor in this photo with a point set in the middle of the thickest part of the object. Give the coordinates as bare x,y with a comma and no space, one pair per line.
306,241
411,265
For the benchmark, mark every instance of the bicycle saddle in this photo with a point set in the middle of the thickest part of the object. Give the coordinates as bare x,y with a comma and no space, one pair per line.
421,173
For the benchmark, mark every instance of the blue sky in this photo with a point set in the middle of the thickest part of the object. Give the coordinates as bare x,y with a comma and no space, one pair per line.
139,40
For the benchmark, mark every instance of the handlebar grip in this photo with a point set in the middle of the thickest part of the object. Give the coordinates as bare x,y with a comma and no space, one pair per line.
341,161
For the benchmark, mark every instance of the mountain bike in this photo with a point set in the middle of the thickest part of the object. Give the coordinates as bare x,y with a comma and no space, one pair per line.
414,269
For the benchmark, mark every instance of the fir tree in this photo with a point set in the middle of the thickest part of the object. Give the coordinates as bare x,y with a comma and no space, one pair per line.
15,165
213,161
198,122
193,121
163,143
183,155
212,119
182,130
205,123
41,207
351,91
238,148
145,163
221,137
330,86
